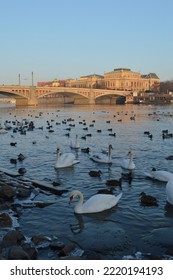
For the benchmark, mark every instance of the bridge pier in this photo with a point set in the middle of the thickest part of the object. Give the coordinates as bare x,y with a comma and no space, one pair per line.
91,98
32,100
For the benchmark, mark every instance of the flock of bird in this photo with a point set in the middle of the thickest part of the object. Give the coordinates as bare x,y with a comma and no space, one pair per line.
107,200
102,201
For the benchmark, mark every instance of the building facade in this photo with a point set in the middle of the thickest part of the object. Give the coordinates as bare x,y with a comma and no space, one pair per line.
125,79
118,79
89,81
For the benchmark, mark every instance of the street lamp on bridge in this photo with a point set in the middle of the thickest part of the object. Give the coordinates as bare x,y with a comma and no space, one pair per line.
32,79
19,79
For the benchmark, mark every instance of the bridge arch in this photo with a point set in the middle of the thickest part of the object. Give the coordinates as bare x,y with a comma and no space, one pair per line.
15,92
61,91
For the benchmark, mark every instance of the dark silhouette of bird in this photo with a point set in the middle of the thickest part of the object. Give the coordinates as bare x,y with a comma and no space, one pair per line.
21,157
148,200
22,170
95,173
105,191
85,150
13,161
114,182
13,144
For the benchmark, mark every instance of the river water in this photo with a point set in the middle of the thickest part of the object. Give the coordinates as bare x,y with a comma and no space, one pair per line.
128,227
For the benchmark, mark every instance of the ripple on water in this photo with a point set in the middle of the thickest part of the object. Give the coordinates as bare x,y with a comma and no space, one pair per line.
128,226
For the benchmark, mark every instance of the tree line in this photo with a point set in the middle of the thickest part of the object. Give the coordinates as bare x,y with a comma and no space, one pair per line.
166,86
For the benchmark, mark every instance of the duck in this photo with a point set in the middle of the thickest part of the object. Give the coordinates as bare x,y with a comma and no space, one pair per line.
85,150
22,170
13,160
96,203
105,191
103,158
114,182
160,175
13,144
21,157
169,191
148,200
65,159
95,173
128,163
169,157
75,144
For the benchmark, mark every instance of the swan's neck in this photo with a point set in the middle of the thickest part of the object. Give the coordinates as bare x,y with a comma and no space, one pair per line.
58,155
131,161
76,142
109,153
78,207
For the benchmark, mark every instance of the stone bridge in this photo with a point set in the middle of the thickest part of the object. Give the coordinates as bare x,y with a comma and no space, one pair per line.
30,95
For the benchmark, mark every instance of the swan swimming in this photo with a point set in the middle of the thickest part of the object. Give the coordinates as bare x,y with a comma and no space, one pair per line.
128,163
96,203
160,175
75,144
103,158
65,160
169,191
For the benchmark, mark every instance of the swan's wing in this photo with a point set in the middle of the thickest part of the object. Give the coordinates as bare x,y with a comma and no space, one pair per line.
169,191
65,160
75,161
149,175
125,163
100,202
165,175
160,175
100,158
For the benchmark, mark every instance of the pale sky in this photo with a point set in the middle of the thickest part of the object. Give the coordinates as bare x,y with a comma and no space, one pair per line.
70,38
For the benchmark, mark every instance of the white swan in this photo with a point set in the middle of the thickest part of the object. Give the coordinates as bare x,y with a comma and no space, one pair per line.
3,131
75,144
96,203
128,163
160,175
65,160
103,158
169,191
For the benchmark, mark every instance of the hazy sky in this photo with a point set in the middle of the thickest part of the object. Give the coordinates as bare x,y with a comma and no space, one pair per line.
71,38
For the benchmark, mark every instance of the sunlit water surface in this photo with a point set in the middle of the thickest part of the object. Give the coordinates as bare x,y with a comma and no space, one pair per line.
129,226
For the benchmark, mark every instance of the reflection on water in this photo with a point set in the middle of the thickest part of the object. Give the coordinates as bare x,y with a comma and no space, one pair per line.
129,226
79,226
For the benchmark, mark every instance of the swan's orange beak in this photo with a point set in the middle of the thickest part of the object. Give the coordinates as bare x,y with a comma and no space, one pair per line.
71,199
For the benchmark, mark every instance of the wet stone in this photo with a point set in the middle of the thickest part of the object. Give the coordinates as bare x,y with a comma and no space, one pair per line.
13,237
56,246
39,239
3,206
30,250
67,250
169,251
5,220
7,192
17,253
23,193
91,255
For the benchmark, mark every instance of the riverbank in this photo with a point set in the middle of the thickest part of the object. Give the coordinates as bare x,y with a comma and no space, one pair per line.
18,193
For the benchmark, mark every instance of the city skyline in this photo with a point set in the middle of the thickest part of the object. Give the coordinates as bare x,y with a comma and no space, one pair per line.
67,39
